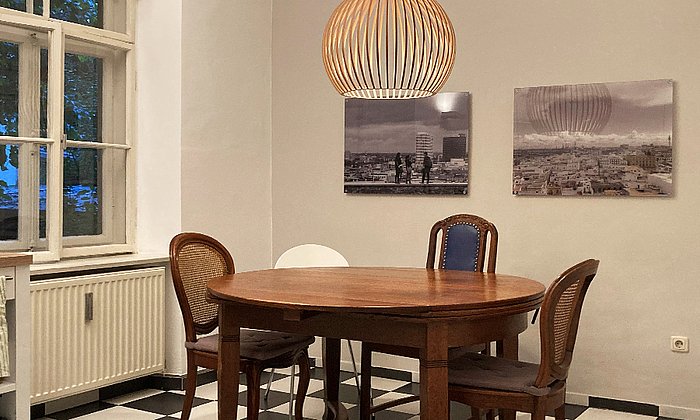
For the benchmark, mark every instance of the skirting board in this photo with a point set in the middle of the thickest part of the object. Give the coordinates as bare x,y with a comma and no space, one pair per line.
668,411
661,410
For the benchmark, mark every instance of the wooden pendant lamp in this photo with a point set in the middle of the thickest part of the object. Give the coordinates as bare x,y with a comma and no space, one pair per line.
388,49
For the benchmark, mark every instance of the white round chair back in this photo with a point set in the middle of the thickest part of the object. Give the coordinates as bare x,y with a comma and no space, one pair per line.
311,255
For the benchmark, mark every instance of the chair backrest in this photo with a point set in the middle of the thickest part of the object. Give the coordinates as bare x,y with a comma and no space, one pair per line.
561,310
196,258
311,255
463,244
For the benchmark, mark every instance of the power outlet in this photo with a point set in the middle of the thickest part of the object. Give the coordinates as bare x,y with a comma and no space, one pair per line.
679,344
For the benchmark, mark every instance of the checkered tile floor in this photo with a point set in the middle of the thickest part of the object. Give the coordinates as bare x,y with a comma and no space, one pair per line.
151,404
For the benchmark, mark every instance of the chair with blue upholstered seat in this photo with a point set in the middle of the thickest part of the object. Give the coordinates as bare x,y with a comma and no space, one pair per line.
466,242
464,239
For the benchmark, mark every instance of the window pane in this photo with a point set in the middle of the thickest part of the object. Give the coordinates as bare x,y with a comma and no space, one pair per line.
82,192
14,4
84,12
9,88
114,194
9,106
38,7
9,197
43,159
83,92
43,92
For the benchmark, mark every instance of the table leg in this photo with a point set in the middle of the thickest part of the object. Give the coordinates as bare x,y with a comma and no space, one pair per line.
331,368
507,348
229,364
434,400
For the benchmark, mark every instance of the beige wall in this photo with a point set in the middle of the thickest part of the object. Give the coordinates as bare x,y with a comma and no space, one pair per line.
648,284
223,89
226,125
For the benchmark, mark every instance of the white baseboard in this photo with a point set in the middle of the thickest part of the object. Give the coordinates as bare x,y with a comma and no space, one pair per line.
679,412
664,410
670,411
577,399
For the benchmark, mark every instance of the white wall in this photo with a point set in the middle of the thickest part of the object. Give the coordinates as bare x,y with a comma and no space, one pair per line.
648,284
204,88
158,61
226,142
204,133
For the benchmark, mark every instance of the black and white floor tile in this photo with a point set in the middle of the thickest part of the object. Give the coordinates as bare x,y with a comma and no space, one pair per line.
152,404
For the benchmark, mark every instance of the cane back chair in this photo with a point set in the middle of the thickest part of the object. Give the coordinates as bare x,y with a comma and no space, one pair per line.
196,258
489,382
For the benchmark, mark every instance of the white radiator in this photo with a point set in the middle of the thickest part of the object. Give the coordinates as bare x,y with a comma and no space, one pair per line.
96,330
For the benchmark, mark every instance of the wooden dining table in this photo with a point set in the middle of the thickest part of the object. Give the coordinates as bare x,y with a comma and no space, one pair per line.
431,310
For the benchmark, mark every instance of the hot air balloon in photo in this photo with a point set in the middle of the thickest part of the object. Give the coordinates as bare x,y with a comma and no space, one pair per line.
569,109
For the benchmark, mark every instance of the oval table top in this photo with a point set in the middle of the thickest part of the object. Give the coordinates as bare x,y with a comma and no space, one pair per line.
385,290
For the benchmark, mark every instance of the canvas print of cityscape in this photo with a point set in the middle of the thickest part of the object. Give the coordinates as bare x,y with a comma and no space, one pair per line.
413,146
606,139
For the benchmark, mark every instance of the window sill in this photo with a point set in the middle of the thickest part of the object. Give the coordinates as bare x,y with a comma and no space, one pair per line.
79,265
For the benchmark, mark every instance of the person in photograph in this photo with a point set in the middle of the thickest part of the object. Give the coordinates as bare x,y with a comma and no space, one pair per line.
427,166
409,168
399,168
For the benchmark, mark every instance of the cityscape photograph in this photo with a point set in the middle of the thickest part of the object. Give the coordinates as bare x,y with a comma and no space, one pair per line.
413,146
604,139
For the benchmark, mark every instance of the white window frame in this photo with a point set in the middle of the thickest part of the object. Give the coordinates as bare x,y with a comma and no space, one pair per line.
94,42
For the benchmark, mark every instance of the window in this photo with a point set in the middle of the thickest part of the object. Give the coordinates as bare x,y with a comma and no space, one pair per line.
66,103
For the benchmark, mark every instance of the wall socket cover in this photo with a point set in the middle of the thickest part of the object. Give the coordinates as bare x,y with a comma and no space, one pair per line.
679,344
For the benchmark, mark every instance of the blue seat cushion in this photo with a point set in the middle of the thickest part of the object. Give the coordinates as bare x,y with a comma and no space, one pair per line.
461,248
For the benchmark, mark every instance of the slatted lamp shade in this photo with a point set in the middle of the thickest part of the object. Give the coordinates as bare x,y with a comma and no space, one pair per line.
388,49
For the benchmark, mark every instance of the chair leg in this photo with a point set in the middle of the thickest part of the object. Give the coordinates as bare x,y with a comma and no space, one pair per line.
304,379
354,366
291,392
490,414
476,413
487,349
190,386
499,348
559,412
253,379
365,384
269,383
